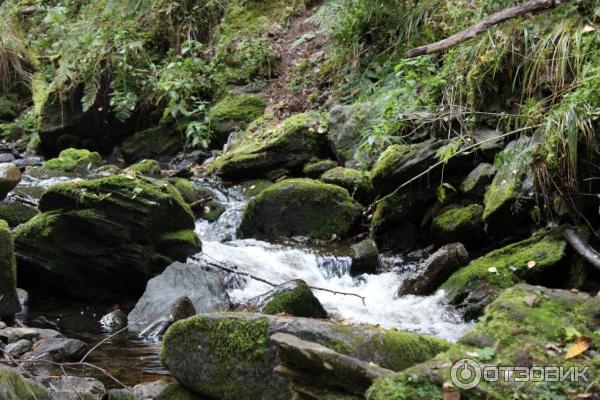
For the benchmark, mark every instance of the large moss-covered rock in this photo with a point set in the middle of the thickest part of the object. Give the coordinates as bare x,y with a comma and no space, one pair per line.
9,301
458,224
347,125
17,213
315,169
147,168
474,286
293,298
476,183
70,160
237,357
300,207
103,239
155,142
234,113
356,182
289,145
526,326
13,386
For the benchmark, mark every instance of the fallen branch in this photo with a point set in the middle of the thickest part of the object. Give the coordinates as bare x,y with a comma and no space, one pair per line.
219,265
582,247
200,203
531,6
100,343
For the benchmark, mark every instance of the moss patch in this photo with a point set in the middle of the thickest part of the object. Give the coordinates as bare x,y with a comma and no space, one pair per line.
16,213
8,273
235,113
300,302
357,183
459,224
15,387
315,169
146,167
70,160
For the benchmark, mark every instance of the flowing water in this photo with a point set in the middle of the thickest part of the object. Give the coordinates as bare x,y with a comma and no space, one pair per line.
134,360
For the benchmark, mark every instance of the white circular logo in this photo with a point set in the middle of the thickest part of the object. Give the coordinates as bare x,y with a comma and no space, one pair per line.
465,374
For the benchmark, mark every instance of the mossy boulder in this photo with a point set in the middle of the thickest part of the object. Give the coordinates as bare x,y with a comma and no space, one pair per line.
526,326
8,109
203,200
315,169
71,160
302,207
254,187
476,183
155,142
458,224
17,213
357,183
474,286
14,386
147,168
234,113
103,239
292,298
9,301
238,358
174,391
347,124
289,146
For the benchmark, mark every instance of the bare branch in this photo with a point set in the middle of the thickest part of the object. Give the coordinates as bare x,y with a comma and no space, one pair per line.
582,247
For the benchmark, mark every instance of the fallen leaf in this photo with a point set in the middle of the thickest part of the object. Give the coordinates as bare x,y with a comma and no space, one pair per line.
581,346
531,264
530,300
588,28
493,270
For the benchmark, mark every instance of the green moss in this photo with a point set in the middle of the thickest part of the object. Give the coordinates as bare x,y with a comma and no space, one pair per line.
11,131
300,207
298,302
186,188
254,187
8,268
482,280
16,387
388,159
211,211
16,213
186,236
70,160
146,167
8,109
154,142
236,112
357,183
175,391
459,224
405,349
316,169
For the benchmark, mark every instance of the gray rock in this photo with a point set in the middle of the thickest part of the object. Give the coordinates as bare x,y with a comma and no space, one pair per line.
346,127
365,258
13,386
10,176
58,349
149,390
114,320
293,298
73,387
18,348
11,334
435,270
204,288
6,157
182,308
477,181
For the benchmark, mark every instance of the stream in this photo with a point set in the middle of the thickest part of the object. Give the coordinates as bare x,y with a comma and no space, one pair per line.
134,360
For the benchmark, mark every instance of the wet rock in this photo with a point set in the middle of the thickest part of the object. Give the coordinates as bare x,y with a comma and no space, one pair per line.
149,390
365,258
71,160
114,320
315,169
186,160
474,286
117,158
58,349
234,113
16,213
312,367
18,348
300,207
10,176
289,145
435,270
13,386
459,224
147,168
357,183
154,143
181,308
292,298
103,239
478,180
12,335
43,323
203,288
73,387
254,187
6,158
514,334
238,358
9,300
28,162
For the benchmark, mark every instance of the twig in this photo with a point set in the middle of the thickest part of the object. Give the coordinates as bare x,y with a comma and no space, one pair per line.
219,265
200,203
102,342
531,6
582,247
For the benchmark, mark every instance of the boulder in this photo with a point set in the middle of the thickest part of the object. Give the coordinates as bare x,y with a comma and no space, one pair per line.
300,207
103,239
289,145
292,298
18,348
74,160
527,326
315,169
474,286
346,124
146,168
254,187
356,182
12,334
459,224
201,199
156,142
204,289
73,387
10,176
476,183
365,258
13,386
234,113
114,320
16,213
58,349
9,300
435,270
238,359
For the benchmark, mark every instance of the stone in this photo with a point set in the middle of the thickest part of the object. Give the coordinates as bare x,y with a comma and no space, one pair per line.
9,300
155,142
15,213
149,390
6,158
10,176
103,239
114,320
291,298
203,288
238,358
357,183
346,126
74,160
315,169
18,348
12,334
435,270
300,207
58,349
459,224
73,387
234,113
365,258
475,184
147,168
13,386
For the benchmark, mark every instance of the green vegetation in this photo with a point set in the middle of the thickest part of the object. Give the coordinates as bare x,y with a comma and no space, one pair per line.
8,272
70,160
147,168
16,387
300,302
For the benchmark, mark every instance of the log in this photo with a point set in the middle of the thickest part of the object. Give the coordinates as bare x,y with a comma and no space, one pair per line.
529,7
582,247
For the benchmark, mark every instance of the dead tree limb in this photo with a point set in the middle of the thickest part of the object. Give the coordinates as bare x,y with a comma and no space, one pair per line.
582,247
529,7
